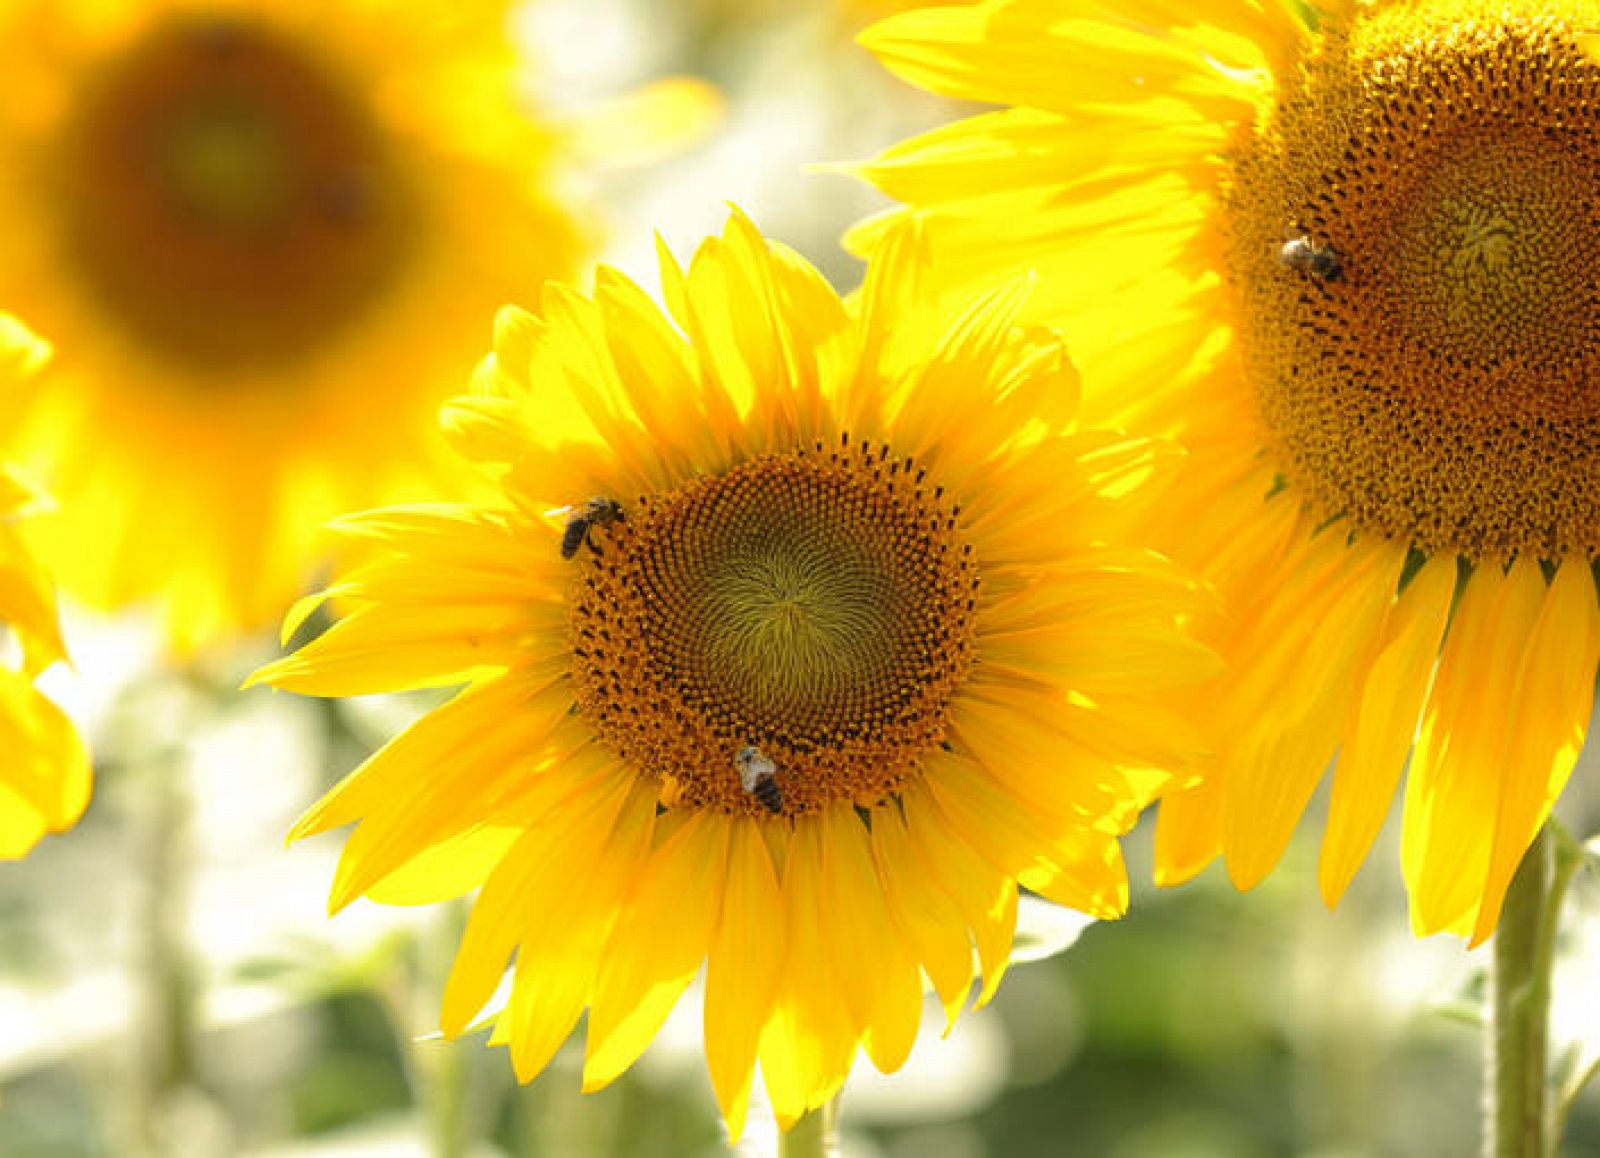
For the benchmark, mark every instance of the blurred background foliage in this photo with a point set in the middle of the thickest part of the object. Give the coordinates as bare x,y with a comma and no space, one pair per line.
169,985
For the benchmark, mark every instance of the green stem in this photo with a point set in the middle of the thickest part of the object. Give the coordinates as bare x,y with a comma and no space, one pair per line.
444,1067
816,1135
167,1024
1569,1095
1519,1112
448,1101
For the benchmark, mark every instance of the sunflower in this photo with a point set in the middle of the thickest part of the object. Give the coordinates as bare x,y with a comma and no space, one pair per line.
44,777
266,236
1345,253
836,643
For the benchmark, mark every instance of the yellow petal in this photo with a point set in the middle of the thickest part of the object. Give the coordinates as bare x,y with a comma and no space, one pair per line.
430,751
560,949
808,1044
747,952
989,818
1034,760
1188,832
1453,791
27,603
45,774
575,814
1547,723
1084,870
876,977
929,922
987,901
1379,737
1272,769
1034,54
1020,147
944,399
400,649
451,868
662,935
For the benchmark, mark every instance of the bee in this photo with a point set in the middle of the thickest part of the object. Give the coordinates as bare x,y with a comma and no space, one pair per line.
597,512
1303,255
759,777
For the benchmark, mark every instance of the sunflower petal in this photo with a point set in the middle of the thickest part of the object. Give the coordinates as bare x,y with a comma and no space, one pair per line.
663,933
1453,793
1549,719
1384,725
742,972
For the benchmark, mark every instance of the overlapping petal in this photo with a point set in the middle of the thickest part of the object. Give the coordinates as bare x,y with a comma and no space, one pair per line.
45,776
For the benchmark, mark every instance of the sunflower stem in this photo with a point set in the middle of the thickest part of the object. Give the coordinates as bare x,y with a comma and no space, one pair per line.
445,1067
815,1135
1519,1118
174,1109
168,996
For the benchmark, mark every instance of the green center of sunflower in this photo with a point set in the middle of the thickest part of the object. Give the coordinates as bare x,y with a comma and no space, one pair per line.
815,606
1411,239
227,197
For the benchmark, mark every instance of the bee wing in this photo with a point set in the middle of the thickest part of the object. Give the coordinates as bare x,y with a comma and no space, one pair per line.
754,767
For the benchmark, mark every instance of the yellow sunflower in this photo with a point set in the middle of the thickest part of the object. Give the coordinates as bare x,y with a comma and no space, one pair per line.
835,643
44,773
266,237
1345,252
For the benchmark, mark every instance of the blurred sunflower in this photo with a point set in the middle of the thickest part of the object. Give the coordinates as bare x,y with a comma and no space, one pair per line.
266,236
44,775
1345,252
837,645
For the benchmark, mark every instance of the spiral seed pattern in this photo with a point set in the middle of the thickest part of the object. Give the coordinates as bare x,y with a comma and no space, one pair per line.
816,604
1444,391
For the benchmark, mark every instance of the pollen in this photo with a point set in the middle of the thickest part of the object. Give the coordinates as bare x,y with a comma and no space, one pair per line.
214,170
815,605
1443,390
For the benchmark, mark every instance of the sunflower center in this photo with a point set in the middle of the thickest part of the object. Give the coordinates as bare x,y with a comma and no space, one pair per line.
815,606
226,197
1444,388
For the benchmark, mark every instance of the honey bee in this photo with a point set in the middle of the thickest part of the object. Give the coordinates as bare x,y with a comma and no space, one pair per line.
597,512
1303,255
758,775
